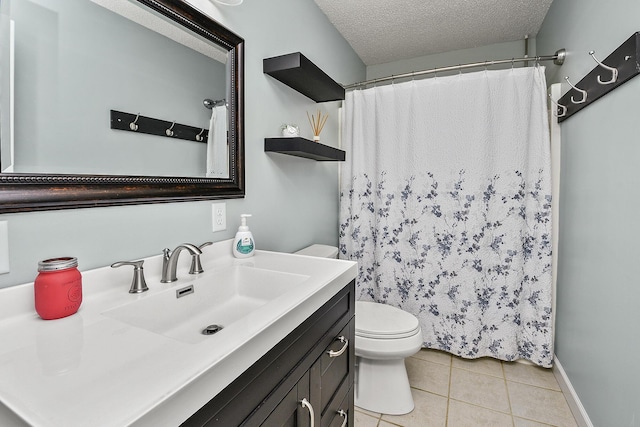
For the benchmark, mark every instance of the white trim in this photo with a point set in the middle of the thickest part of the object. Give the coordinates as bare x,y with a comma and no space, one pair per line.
578,411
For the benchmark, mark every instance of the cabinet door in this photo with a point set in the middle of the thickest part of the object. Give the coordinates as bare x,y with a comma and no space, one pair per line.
290,412
332,376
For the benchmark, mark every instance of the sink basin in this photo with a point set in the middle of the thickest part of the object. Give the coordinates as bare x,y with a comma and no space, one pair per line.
217,298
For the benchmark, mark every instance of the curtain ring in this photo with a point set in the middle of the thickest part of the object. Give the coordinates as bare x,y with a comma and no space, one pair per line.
199,137
169,131
133,125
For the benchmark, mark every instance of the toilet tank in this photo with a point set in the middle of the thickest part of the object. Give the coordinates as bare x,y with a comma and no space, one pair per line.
323,251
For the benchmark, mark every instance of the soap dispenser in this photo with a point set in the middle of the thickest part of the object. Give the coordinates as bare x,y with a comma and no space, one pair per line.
243,244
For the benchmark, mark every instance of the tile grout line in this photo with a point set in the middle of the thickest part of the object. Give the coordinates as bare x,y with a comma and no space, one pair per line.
446,417
506,387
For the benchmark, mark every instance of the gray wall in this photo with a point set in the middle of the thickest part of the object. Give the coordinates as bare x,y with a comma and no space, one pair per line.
294,201
598,321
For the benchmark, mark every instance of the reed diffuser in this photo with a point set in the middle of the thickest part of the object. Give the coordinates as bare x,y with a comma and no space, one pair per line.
317,123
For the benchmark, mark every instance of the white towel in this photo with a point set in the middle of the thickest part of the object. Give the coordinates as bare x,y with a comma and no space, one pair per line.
217,145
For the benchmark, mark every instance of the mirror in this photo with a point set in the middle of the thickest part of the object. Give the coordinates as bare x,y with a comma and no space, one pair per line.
118,117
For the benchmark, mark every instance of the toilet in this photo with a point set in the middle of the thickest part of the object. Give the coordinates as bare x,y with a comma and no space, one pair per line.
385,336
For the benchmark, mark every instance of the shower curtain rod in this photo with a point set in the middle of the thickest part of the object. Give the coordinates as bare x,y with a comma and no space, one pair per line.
557,58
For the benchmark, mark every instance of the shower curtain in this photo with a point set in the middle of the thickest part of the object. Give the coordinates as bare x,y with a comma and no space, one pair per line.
445,203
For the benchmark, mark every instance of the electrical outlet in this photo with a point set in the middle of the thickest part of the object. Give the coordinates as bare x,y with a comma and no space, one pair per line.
4,247
219,214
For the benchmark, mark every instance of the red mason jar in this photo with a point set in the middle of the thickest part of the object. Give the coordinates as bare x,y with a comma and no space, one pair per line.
58,288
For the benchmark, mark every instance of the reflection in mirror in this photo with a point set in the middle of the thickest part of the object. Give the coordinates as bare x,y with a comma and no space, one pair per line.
67,66
76,60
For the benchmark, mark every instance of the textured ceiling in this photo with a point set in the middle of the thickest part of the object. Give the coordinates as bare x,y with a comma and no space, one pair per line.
386,30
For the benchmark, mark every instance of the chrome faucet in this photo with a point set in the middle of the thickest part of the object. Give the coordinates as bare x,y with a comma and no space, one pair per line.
170,261
196,265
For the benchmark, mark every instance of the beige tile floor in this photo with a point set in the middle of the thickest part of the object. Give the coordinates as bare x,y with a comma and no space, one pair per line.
452,392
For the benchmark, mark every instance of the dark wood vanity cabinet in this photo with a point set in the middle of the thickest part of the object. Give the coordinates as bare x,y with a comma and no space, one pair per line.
315,362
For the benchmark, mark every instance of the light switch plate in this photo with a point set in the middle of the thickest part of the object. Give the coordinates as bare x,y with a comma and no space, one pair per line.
4,247
219,215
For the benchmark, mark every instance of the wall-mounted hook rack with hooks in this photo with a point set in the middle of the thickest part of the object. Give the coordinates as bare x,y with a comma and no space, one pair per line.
169,129
625,59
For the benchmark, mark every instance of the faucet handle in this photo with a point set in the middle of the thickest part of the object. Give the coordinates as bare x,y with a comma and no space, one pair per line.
138,283
196,266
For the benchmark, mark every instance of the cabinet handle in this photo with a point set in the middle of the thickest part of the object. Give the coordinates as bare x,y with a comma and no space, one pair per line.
343,414
342,350
305,404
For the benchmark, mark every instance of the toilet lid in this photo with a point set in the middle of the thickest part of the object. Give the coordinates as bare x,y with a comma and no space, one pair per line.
374,320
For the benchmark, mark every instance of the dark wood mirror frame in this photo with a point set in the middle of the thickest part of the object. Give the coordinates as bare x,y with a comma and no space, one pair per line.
23,192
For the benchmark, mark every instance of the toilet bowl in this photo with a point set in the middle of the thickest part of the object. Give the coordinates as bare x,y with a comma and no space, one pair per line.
384,337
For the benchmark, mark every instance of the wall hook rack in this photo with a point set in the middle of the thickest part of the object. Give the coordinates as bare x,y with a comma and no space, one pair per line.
624,60
168,129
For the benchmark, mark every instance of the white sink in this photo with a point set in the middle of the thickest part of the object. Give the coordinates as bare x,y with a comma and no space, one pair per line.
218,298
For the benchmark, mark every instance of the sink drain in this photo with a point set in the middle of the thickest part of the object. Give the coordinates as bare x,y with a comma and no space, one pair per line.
212,329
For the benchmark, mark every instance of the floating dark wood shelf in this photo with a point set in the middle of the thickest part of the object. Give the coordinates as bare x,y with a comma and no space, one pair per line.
297,72
301,147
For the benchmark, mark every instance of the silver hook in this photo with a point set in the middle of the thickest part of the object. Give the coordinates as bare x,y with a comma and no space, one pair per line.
614,71
583,92
199,137
133,126
563,109
169,131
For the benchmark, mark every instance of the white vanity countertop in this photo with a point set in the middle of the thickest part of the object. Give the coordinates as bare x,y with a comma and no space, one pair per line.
88,369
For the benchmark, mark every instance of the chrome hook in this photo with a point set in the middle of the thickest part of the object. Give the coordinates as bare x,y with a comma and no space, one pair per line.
169,131
583,92
614,71
199,137
562,108
133,125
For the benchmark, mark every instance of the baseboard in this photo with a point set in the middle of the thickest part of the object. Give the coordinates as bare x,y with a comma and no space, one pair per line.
578,411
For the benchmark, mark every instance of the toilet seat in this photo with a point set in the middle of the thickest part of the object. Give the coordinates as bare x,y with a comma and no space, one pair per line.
381,321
